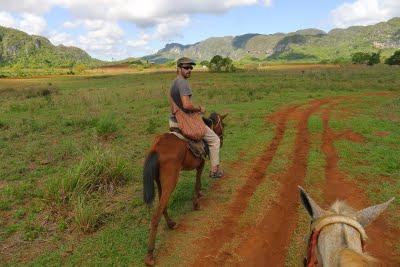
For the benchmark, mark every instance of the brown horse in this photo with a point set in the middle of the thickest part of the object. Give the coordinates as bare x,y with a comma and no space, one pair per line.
167,157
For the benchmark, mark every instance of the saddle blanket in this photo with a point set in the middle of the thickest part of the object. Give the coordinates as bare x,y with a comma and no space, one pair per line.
198,148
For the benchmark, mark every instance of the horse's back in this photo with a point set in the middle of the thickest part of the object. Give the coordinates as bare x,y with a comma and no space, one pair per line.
169,147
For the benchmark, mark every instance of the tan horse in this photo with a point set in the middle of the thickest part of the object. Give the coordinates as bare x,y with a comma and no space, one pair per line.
338,235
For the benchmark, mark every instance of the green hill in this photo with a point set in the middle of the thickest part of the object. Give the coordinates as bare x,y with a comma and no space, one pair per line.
302,45
17,47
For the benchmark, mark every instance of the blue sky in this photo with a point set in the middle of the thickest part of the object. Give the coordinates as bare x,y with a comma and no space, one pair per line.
116,29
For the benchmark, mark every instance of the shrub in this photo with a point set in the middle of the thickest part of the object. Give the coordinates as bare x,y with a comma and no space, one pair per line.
394,59
366,58
360,58
205,63
220,64
375,58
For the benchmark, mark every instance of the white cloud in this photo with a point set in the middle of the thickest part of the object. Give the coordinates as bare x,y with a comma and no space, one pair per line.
28,6
137,43
102,36
32,24
142,13
365,12
63,38
98,20
70,25
7,20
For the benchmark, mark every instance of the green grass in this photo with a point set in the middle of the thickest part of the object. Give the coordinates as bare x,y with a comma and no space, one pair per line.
71,161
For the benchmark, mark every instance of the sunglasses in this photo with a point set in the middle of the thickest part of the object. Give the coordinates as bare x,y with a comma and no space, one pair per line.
187,67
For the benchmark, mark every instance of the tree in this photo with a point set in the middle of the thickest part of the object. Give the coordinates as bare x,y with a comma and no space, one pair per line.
220,64
360,58
394,59
205,63
215,63
375,58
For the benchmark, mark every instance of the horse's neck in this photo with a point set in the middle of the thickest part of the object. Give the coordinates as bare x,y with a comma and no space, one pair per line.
334,239
350,258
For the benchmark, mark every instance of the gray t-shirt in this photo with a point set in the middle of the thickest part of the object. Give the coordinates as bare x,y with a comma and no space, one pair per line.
180,87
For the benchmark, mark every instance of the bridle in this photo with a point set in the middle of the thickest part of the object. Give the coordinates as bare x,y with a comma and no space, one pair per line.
316,228
214,126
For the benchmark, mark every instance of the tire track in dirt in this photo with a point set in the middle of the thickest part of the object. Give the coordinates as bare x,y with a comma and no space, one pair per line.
267,243
209,248
382,237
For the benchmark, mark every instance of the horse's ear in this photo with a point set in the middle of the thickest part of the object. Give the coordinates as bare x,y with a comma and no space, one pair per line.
368,215
224,116
311,206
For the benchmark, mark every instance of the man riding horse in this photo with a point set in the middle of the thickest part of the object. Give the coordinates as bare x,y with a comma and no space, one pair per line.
181,96
170,153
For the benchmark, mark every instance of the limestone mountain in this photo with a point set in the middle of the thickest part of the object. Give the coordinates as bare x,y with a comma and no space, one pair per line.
305,45
17,47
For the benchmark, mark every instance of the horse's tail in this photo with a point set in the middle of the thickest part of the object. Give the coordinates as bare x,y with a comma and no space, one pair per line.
150,173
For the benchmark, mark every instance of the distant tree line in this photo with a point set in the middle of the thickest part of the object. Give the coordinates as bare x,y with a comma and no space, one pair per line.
374,58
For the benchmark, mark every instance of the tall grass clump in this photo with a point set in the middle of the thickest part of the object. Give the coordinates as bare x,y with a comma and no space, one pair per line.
107,125
99,171
87,214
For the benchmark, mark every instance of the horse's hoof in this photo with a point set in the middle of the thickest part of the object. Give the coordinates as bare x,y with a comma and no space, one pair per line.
172,225
149,260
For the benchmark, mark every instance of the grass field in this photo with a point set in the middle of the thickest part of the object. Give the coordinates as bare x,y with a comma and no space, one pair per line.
72,149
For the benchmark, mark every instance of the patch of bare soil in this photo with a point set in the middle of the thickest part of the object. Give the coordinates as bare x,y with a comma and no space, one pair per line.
382,237
266,244
381,133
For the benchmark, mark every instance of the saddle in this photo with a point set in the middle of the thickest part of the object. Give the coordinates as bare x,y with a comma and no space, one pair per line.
199,149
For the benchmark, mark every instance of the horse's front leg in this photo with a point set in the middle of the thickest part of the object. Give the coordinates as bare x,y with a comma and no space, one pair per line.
197,187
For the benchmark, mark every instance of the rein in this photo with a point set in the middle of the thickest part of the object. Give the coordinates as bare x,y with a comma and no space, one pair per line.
316,228
213,126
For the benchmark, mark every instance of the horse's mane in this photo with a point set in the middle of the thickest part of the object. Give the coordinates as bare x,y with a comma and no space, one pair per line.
349,257
341,208
212,119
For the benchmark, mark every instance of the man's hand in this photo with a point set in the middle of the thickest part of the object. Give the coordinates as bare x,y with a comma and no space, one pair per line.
202,109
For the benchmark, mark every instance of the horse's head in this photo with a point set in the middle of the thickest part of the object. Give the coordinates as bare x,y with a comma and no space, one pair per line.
215,122
338,234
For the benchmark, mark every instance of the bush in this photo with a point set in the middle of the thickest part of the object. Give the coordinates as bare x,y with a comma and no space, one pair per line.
205,63
366,58
360,58
375,58
394,59
220,64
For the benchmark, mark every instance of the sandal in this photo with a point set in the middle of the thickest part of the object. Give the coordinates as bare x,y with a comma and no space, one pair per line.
218,174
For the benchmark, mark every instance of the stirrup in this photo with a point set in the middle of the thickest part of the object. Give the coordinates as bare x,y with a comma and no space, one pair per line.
218,174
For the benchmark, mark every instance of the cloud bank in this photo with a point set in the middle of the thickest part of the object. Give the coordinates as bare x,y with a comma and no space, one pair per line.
365,12
157,20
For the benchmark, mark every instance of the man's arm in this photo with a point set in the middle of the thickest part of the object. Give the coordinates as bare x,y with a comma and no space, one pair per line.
188,105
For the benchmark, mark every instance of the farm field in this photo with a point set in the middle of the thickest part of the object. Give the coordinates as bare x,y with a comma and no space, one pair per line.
72,149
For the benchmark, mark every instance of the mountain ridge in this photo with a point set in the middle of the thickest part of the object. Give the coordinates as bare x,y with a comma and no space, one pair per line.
18,47
305,44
